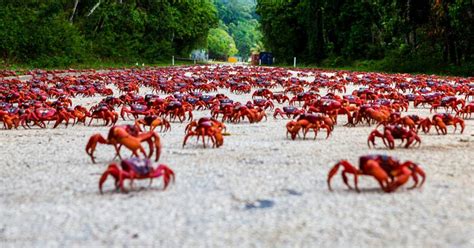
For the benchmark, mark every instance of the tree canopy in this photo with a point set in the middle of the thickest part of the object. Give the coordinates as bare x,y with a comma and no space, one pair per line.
239,19
220,44
397,35
58,32
406,35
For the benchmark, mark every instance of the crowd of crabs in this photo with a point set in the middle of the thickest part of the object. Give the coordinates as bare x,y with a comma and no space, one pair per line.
179,91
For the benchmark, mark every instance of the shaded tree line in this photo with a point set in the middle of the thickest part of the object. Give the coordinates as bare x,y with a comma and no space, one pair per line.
239,21
63,32
401,35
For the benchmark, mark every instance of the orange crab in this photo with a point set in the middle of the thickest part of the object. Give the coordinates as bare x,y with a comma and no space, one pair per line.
154,121
129,136
136,168
389,172
206,127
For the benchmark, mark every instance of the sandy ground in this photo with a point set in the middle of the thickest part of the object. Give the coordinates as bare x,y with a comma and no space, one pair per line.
258,190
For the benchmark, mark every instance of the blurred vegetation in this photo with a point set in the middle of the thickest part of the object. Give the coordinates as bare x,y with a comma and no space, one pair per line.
430,36
239,19
389,35
220,44
54,33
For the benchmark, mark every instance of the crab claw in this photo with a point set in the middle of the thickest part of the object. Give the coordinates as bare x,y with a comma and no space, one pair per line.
92,144
166,172
112,170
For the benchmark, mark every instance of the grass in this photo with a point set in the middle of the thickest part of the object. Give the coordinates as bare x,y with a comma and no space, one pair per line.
353,68
356,66
97,65
379,66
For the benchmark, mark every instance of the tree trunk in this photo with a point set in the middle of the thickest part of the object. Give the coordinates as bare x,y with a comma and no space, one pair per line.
452,52
314,20
320,36
445,52
93,8
458,54
410,23
71,19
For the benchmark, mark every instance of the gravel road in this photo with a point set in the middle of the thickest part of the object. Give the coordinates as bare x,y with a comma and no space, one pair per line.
259,189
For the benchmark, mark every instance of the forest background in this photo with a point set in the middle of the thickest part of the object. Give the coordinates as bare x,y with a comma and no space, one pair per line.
422,36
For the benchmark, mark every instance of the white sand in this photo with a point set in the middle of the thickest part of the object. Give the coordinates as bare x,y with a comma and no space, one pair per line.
258,190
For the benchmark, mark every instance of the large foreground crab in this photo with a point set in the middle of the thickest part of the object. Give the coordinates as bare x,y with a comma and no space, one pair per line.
136,168
389,172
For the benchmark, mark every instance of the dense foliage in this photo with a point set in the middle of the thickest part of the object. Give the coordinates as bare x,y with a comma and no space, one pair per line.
220,44
396,35
238,18
61,32
393,35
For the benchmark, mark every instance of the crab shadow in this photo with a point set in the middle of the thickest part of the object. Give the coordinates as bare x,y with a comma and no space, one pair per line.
308,139
134,191
373,190
259,204
397,147
293,192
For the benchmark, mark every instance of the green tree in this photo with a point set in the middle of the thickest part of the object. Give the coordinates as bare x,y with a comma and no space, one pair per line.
61,32
282,33
39,35
246,36
220,44
404,35
240,20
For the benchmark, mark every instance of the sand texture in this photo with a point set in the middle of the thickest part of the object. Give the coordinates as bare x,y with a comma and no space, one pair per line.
259,189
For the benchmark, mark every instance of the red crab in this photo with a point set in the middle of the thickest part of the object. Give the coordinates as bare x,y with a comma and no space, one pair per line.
80,114
206,126
318,117
293,128
9,120
410,121
176,109
129,136
154,121
262,103
280,98
441,121
448,102
466,111
389,172
40,115
136,168
265,93
135,110
392,132
104,112
288,111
